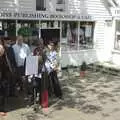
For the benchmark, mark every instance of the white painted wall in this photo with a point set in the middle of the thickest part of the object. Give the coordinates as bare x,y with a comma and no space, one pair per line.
75,58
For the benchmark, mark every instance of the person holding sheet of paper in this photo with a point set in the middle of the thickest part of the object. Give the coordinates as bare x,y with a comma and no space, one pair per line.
39,51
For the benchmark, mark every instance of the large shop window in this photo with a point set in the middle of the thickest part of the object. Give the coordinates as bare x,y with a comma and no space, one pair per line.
60,5
77,35
9,28
117,40
41,5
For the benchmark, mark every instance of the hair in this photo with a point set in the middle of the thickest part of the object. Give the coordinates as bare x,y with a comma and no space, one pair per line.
6,38
51,42
2,40
19,36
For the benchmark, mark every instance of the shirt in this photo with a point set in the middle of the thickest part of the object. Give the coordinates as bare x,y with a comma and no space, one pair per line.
21,52
52,61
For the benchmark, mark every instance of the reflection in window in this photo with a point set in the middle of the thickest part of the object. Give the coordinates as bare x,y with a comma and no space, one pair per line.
77,38
86,34
41,5
9,26
117,41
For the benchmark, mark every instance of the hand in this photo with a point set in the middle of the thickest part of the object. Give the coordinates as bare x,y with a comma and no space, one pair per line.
1,50
56,69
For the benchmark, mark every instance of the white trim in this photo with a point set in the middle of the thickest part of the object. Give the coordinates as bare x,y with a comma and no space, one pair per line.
115,51
77,51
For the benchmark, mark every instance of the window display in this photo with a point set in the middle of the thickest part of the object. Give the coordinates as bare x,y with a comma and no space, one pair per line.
86,34
77,36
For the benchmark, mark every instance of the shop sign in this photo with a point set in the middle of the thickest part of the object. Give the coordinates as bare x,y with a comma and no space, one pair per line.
46,16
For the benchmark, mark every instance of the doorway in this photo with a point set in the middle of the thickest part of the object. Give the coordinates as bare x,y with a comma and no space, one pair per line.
50,35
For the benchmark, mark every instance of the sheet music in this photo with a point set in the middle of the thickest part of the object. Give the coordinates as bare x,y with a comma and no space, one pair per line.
31,65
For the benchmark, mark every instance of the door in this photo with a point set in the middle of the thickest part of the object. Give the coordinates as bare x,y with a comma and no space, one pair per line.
50,35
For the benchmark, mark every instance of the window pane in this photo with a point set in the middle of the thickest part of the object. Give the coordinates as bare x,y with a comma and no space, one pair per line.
69,35
117,41
60,1
9,26
40,5
60,5
86,34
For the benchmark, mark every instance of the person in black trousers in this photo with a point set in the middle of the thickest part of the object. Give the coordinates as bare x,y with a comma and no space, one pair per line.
7,64
52,68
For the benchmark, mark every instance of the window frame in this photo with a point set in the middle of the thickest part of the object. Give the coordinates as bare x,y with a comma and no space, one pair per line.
115,41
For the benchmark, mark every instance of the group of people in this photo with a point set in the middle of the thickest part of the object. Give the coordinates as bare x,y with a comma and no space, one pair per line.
12,69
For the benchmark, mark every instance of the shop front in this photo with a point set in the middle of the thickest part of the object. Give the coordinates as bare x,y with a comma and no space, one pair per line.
77,36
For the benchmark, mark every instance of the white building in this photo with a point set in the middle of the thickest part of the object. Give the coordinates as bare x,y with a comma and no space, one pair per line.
83,27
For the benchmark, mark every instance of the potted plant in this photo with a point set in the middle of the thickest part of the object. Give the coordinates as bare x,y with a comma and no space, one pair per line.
83,68
26,32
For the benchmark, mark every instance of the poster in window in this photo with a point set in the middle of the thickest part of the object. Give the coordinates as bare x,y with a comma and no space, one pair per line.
88,31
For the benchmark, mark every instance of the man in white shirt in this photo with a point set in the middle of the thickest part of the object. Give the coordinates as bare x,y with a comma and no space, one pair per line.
21,51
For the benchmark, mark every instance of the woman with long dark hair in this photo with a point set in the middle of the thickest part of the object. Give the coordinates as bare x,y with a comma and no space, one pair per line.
52,68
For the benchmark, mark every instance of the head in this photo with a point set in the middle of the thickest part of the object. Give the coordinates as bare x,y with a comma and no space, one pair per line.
19,40
7,41
51,45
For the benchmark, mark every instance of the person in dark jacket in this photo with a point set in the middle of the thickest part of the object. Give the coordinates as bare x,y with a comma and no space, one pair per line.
3,84
9,57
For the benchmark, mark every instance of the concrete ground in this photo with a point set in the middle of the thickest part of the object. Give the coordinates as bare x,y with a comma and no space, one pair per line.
94,97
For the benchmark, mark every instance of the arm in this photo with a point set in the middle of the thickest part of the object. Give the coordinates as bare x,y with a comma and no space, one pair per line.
28,51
